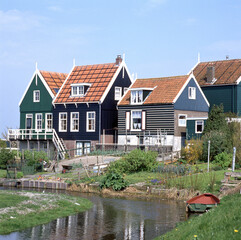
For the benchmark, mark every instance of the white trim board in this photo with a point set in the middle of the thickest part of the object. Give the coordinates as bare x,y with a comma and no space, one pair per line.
37,72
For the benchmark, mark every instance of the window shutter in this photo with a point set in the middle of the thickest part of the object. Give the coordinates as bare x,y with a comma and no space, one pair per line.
127,120
143,120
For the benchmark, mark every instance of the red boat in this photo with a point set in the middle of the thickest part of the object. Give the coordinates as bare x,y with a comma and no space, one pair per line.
202,203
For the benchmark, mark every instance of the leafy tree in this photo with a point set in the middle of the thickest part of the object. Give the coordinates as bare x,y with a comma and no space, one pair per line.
217,131
216,120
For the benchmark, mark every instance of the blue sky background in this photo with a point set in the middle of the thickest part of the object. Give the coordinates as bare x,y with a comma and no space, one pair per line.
158,37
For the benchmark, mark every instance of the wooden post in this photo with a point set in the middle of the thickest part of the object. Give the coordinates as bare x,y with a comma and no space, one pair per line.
208,153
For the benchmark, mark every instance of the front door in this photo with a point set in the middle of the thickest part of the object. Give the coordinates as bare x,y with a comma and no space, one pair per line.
28,124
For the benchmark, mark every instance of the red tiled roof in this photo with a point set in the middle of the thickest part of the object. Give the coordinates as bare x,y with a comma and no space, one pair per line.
226,72
98,75
165,89
54,80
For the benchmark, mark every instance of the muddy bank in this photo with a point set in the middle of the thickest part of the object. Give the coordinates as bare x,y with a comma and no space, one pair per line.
144,192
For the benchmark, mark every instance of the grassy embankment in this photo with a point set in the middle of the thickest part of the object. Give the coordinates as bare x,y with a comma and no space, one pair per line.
201,181
20,210
220,223
3,173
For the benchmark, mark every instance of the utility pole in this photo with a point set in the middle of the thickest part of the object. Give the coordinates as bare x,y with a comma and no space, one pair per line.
208,153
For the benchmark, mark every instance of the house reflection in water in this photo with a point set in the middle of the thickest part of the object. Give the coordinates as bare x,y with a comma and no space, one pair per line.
112,218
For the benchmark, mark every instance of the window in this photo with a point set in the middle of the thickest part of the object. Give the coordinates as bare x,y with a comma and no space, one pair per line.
118,92
79,89
182,120
192,93
74,122
48,121
90,122
36,96
136,120
199,125
62,122
136,96
38,122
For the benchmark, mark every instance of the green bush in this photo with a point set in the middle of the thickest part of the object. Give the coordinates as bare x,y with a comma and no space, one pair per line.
223,160
35,157
19,174
115,181
136,161
5,156
218,143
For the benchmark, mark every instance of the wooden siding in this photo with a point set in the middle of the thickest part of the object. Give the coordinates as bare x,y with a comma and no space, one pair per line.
184,103
82,108
158,117
190,130
225,95
238,94
108,108
28,106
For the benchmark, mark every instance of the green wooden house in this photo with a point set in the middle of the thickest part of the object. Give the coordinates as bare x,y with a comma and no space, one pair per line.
220,82
36,112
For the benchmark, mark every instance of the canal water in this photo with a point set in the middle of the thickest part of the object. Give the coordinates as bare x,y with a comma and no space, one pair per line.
108,219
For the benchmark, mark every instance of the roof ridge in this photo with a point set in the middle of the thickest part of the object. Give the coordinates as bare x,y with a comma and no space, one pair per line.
95,64
224,60
52,72
159,78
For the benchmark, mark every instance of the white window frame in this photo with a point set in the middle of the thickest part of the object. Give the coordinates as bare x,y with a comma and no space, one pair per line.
136,93
87,121
79,90
192,93
47,120
118,93
197,124
37,121
60,120
134,129
35,99
72,123
180,124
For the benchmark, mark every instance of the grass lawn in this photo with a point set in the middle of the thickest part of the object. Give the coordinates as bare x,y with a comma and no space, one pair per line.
20,210
220,223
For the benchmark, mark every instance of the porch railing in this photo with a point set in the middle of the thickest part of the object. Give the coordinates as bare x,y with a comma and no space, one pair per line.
32,134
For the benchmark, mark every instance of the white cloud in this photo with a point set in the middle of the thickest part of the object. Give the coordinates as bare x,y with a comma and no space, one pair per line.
149,6
15,20
55,8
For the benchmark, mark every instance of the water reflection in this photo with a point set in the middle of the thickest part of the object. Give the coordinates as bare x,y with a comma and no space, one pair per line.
110,219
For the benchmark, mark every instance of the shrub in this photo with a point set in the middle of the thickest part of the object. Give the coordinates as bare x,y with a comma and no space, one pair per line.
34,157
5,156
218,143
193,151
136,161
223,160
115,181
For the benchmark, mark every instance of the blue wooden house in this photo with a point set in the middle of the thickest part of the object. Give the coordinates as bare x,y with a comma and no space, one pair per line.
85,108
155,111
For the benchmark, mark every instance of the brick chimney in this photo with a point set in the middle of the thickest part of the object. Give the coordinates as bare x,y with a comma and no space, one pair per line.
118,60
210,74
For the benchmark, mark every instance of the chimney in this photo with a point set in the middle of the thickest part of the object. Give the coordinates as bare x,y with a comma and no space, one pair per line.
210,74
118,60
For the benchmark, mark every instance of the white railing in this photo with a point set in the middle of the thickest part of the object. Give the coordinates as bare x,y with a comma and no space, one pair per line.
32,134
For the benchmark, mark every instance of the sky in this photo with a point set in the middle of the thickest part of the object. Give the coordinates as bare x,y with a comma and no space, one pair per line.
158,37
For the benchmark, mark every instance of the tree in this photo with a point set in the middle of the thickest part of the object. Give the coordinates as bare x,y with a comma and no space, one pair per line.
217,131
